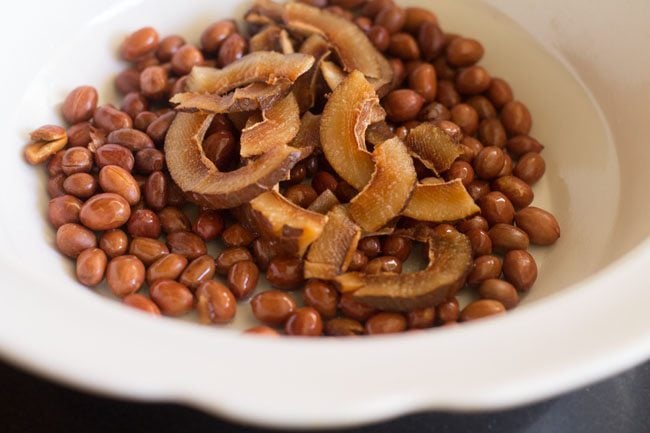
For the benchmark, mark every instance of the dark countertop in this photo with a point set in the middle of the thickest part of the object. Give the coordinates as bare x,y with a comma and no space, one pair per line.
29,404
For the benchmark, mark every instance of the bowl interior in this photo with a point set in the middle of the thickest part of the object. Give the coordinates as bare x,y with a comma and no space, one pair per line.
584,97
581,186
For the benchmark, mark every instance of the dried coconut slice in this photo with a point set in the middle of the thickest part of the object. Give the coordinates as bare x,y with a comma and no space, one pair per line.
203,183
256,96
331,253
431,181
259,20
324,202
384,231
350,109
441,202
285,43
267,39
379,132
383,85
307,85
263,66
279,126
433,147
240,119
389,189
450,260
309,132
315,45
333,74
280,218
269,9
350,43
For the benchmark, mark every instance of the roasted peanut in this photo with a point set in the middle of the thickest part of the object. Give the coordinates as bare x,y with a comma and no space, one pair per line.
215,303
80,104
173,298
540,225
242,278
481,309
125,275
305,322
90,267
200,270
273,307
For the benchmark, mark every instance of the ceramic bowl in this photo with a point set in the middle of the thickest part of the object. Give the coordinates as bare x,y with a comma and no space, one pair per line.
582,68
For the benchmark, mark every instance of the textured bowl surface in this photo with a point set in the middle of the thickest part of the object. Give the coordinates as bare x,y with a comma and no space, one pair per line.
586,317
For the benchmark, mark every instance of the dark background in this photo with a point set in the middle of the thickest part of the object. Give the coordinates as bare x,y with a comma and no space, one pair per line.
29,404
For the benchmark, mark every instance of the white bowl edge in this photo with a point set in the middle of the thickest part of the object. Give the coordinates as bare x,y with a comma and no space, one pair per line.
518,377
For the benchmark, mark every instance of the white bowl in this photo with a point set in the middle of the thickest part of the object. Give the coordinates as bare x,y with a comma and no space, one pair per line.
583,69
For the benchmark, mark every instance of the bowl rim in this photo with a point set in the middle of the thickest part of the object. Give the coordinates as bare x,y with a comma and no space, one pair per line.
95,367
124,353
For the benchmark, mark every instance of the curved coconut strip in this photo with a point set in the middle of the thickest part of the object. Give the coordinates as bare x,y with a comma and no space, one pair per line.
333,74
280,218
267,39
307,85
279,126
309,132
253,119
450,260
383,85
433,147
324,202
348,112
441,202
256,96
203,183
331,253
389,189
350,43
431,181
255,19
240,119
315,45
268,8
263,66
285,43
379,132
389,229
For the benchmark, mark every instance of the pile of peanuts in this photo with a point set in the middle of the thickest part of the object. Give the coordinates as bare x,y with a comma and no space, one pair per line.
122,218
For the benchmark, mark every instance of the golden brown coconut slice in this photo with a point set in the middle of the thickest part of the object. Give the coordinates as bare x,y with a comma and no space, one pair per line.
286,45
309,132
352,46
307,85
280,218
379,132
256,96
333,74
440,202
389,189
433,147
279,125
331,253
324,202
351,108
450,260
267,39
263,66
268,9
203,183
